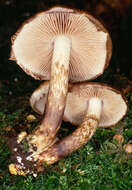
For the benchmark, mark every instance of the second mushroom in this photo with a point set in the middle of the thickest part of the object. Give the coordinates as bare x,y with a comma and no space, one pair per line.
94,105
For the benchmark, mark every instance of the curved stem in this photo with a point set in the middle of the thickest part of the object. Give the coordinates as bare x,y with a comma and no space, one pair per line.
78,138
46,132
71,143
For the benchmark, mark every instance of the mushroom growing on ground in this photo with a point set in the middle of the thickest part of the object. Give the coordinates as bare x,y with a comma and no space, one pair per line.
60,45
94,105
128,148
119,138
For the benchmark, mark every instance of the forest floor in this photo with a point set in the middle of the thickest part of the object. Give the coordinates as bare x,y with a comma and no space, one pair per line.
102,164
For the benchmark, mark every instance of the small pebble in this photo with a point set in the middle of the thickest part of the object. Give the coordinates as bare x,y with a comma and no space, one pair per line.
8,128
119,138
28,125
16,79
10,92
15,149
12,169
31,118
21,136
34,175
128,148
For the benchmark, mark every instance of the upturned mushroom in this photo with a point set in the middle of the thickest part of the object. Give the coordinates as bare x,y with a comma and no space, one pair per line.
75,110
94,105
60,45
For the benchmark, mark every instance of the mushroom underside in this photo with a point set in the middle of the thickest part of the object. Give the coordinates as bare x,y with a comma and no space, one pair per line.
61,42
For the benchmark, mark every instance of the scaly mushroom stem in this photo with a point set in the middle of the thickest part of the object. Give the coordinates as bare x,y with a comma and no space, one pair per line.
46,132
78,138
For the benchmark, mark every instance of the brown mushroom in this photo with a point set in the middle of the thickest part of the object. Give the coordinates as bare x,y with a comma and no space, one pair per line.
89,105
118,138
94,105
76,106
107,105
60,45
128,148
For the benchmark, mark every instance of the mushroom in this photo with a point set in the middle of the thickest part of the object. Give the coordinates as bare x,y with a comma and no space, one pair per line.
75,110
60,45
95,104
128,148
118,138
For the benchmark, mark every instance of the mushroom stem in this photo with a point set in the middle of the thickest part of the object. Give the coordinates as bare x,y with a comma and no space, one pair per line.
95,107
46,131
78,138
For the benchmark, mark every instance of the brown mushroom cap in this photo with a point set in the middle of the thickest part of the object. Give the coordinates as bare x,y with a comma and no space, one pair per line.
90,44
39,98
114,105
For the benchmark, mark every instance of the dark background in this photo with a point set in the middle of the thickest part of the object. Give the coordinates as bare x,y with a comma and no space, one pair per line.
107,166
116,16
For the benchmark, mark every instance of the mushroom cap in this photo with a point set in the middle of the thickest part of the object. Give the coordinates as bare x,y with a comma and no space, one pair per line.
39,98
91,46
114,105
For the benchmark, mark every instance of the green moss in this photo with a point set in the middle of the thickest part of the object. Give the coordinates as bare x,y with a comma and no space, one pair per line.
100,165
